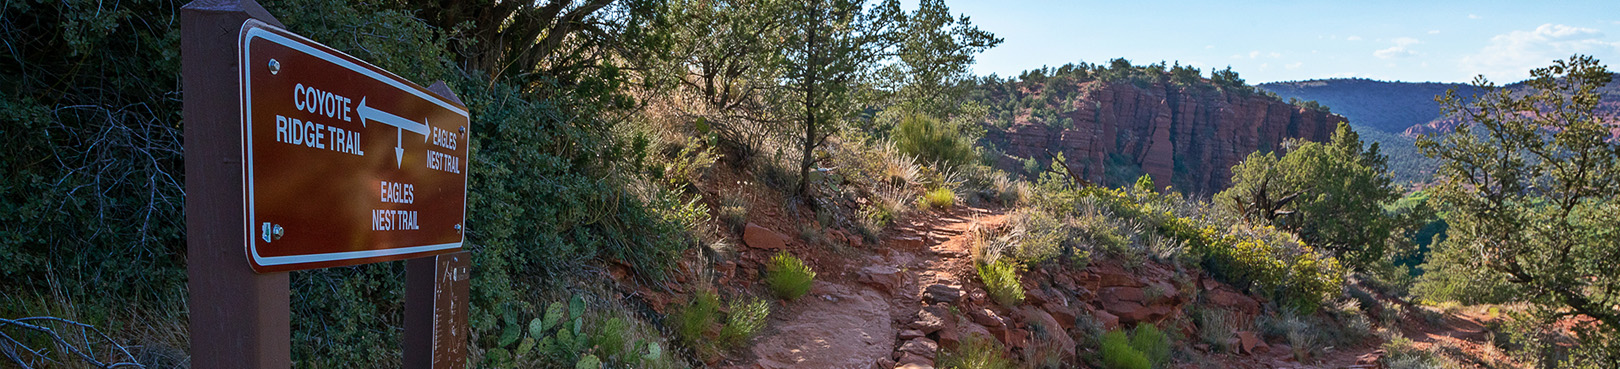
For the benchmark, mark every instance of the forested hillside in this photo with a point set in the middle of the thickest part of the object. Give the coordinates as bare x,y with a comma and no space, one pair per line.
1373,104
1382,111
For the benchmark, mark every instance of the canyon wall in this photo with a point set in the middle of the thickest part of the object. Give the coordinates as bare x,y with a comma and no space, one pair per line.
1185,136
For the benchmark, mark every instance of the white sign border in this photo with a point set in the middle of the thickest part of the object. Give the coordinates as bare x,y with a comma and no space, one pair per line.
254,28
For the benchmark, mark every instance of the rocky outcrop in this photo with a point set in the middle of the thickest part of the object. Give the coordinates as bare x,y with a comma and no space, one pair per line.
1189,137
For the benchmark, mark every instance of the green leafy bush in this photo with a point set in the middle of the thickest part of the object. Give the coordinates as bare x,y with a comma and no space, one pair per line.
933,141
788,277
975,352
1260,258
1152,343
1341,186
938,199
1117,352
1276,264
1001,281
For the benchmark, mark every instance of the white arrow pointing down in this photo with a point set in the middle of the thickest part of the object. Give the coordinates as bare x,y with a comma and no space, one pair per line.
373,114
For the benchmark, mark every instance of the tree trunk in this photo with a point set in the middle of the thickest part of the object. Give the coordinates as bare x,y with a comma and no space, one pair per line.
812,65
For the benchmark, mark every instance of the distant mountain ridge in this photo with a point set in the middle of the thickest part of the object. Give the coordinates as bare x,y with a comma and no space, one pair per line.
1394,113
1386,106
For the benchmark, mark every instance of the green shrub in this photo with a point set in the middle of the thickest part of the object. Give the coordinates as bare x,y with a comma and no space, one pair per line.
1117,352
610,337
812,234
1214,328
1273,263
696,318
745,318
1001,280
1037,237
938,199
1262,259
788,277
1450,274
1307,335
1009,192
1402,350
1032,167
933,141
874,218
1100,229
975,352
1152,343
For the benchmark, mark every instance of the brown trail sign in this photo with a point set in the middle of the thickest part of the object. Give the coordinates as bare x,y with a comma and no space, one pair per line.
345,163
299,156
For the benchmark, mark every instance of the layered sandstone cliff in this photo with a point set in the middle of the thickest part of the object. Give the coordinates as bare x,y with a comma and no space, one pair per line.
1185,136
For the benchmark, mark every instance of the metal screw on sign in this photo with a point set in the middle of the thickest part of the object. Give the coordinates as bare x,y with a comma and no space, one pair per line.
271,232
275,66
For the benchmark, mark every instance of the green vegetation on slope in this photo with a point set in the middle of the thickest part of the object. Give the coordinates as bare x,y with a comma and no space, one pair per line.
1530,200
1331,194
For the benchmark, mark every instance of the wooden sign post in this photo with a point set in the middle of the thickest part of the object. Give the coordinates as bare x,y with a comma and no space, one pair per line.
299,156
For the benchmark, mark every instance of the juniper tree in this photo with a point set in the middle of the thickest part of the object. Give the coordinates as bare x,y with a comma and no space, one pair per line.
1528,182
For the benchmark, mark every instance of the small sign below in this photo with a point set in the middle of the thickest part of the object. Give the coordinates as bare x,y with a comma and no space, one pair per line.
344,163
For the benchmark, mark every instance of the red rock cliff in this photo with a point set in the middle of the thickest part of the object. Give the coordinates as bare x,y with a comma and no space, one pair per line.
1188,137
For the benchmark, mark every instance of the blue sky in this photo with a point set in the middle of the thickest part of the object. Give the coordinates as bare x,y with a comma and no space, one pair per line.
1446,41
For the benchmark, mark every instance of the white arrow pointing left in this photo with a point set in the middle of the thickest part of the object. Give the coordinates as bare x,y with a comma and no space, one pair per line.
373,114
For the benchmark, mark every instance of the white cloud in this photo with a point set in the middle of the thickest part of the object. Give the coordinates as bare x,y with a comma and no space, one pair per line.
1510,56
1254,54
1473,16
1400,50
1274,55
1353,38
1295,65
1207,47
1434,32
